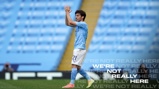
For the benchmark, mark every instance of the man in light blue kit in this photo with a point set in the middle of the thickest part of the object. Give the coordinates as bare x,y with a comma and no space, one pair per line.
79,45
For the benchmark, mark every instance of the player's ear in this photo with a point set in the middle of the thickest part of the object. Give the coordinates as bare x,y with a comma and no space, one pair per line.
83,17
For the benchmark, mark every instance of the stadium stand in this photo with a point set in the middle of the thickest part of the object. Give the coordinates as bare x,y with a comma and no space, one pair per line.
126,30
33,34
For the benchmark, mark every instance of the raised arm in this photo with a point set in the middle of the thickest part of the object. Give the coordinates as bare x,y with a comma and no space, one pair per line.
68,20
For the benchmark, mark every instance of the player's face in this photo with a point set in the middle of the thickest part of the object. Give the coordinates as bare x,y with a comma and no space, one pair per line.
79,17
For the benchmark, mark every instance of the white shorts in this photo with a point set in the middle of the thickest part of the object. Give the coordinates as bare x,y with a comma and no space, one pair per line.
78,56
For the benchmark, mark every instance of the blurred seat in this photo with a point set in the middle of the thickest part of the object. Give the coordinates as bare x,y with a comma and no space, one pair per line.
126,29
34,32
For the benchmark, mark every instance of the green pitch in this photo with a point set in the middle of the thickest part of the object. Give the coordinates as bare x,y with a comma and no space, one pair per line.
80,84
38,84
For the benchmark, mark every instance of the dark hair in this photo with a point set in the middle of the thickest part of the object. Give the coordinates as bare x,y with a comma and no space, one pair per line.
82,13
6,65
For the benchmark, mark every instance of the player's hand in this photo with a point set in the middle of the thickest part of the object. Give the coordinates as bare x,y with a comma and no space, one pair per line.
67,9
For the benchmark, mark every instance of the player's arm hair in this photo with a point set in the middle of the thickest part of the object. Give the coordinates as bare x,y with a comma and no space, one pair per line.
69,21
66,21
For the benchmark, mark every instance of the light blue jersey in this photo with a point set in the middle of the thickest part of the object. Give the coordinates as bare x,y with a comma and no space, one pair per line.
80,35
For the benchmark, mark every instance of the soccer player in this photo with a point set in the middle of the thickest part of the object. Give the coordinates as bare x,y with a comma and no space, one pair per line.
79,45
